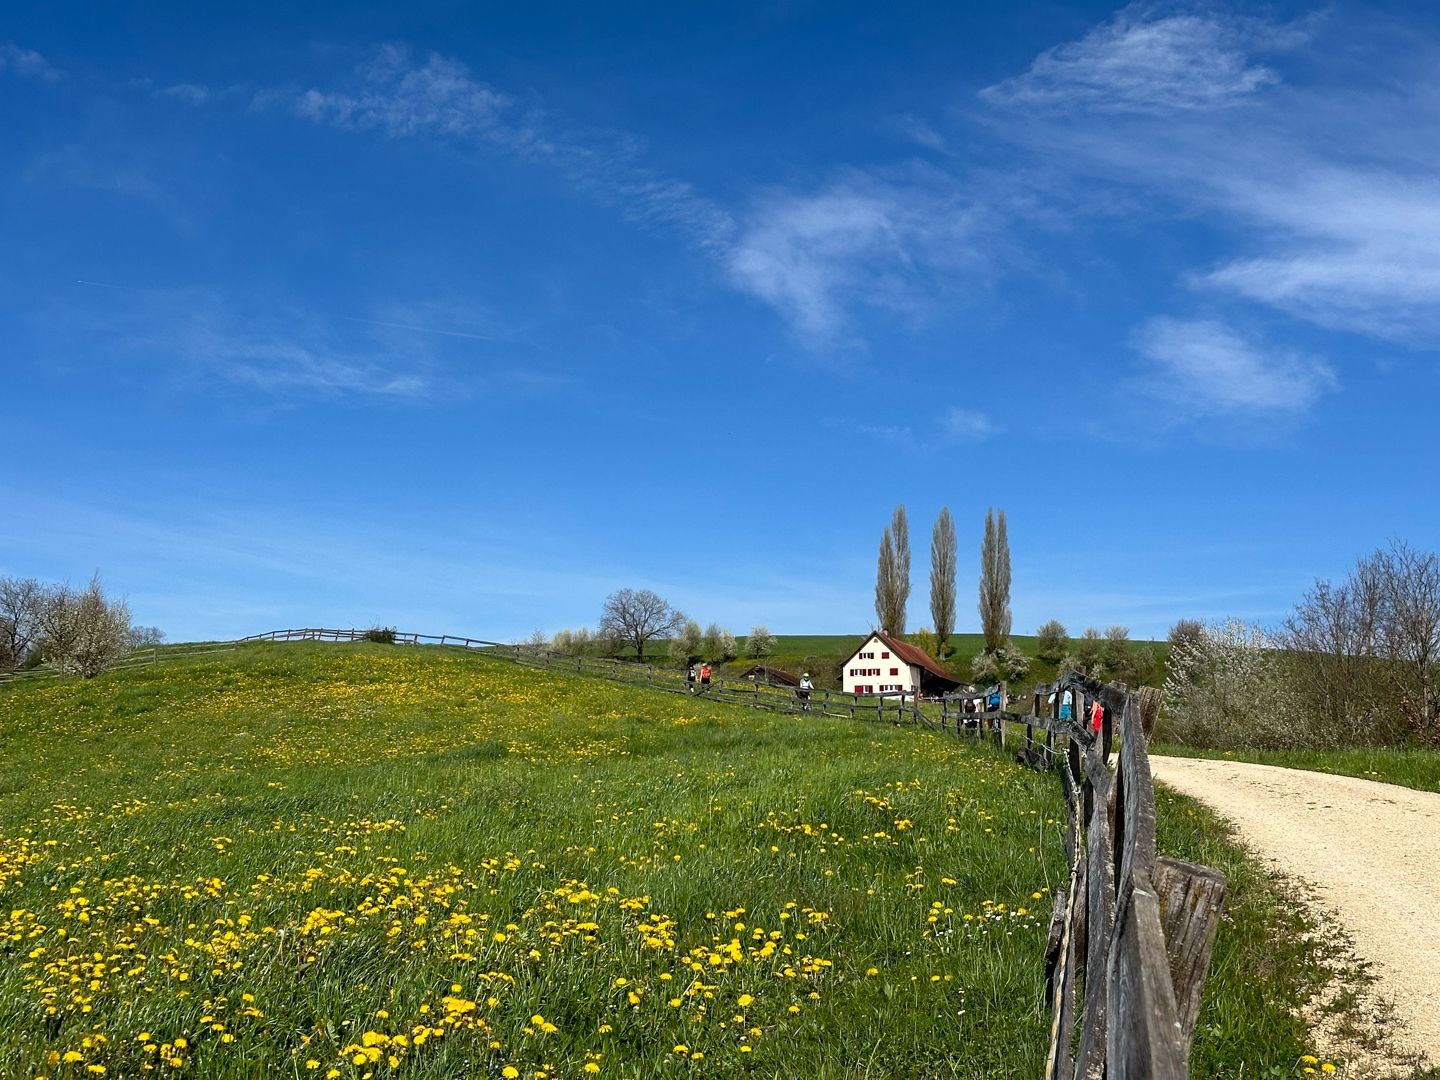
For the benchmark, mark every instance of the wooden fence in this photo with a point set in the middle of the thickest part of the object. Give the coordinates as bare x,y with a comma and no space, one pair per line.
1131,934
143,656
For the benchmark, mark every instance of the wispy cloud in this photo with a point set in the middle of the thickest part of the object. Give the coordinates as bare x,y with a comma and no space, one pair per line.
189,93
968,425
923,434
1146,60
1320,187
26,64
861,242
1207,367
400,97
201,337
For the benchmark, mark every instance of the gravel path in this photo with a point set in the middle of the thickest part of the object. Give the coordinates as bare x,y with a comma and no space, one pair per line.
1370,851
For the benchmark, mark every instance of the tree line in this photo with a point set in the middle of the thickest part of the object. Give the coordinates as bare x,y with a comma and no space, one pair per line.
1356,663
633,618
72,631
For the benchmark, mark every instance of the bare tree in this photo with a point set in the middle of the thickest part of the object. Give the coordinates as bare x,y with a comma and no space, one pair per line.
1410,590
21,601
1334,642
942,579
995,582
146,635
635,616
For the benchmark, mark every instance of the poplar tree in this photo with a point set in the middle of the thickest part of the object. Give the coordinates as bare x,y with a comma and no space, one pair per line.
892,575
995,582
942,579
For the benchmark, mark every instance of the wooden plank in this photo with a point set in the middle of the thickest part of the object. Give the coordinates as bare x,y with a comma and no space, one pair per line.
1059,1062
1143,1038
1100,924
1191,900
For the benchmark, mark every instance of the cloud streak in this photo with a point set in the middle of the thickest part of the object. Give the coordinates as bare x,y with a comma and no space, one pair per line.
26,64
438,98
1148,63
1207,367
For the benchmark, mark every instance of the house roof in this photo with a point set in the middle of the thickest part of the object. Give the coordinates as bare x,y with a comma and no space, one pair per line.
774,674
911,654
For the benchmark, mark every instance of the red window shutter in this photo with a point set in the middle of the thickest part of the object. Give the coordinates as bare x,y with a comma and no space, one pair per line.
894,671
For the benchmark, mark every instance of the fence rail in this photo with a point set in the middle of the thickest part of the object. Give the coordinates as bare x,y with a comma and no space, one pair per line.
142,656
1131,934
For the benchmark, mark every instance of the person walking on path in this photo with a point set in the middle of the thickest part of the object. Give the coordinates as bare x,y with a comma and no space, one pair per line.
803,693
704,677
690,679
1097,716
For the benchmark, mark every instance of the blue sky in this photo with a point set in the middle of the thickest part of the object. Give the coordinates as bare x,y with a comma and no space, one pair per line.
458,317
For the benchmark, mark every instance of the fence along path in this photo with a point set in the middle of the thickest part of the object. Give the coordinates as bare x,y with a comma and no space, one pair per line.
1131,934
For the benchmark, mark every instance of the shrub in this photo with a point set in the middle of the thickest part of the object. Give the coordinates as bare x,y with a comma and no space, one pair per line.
687,644
381,635
1229,689
1052,640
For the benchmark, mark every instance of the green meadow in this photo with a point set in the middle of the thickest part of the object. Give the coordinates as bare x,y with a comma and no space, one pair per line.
372,861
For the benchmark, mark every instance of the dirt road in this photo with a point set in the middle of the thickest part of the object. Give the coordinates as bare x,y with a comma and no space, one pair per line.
1370,851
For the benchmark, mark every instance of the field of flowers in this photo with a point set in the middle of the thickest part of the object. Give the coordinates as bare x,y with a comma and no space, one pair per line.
365,861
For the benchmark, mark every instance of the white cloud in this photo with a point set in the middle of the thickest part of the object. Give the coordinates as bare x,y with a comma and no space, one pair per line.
1322,191
26,64
1143,61
859,243
1206,366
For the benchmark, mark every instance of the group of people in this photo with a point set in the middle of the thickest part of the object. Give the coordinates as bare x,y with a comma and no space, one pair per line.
690,674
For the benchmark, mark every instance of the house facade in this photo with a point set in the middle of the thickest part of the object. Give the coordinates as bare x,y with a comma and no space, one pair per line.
883,665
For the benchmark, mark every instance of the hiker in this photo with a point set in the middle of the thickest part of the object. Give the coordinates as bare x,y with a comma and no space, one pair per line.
1065,704
803,693
995,702
704,677
1097,716
690,679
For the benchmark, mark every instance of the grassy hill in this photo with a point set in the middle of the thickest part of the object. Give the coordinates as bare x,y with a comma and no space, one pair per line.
360,860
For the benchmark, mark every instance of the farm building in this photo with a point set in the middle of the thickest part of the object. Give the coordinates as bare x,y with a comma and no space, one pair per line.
883,664
770,676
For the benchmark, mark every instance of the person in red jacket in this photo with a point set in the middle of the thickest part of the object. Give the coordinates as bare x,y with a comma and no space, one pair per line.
1097,716
704,676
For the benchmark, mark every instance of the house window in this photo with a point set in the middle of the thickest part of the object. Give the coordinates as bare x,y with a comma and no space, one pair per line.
894,671
884,656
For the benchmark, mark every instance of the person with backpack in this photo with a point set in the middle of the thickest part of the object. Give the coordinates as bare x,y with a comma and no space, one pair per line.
690,679
704,677
803,692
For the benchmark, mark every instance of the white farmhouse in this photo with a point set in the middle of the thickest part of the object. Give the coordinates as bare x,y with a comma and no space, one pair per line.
883,664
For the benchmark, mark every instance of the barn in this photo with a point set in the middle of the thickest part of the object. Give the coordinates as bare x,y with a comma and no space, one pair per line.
885,664
770,676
